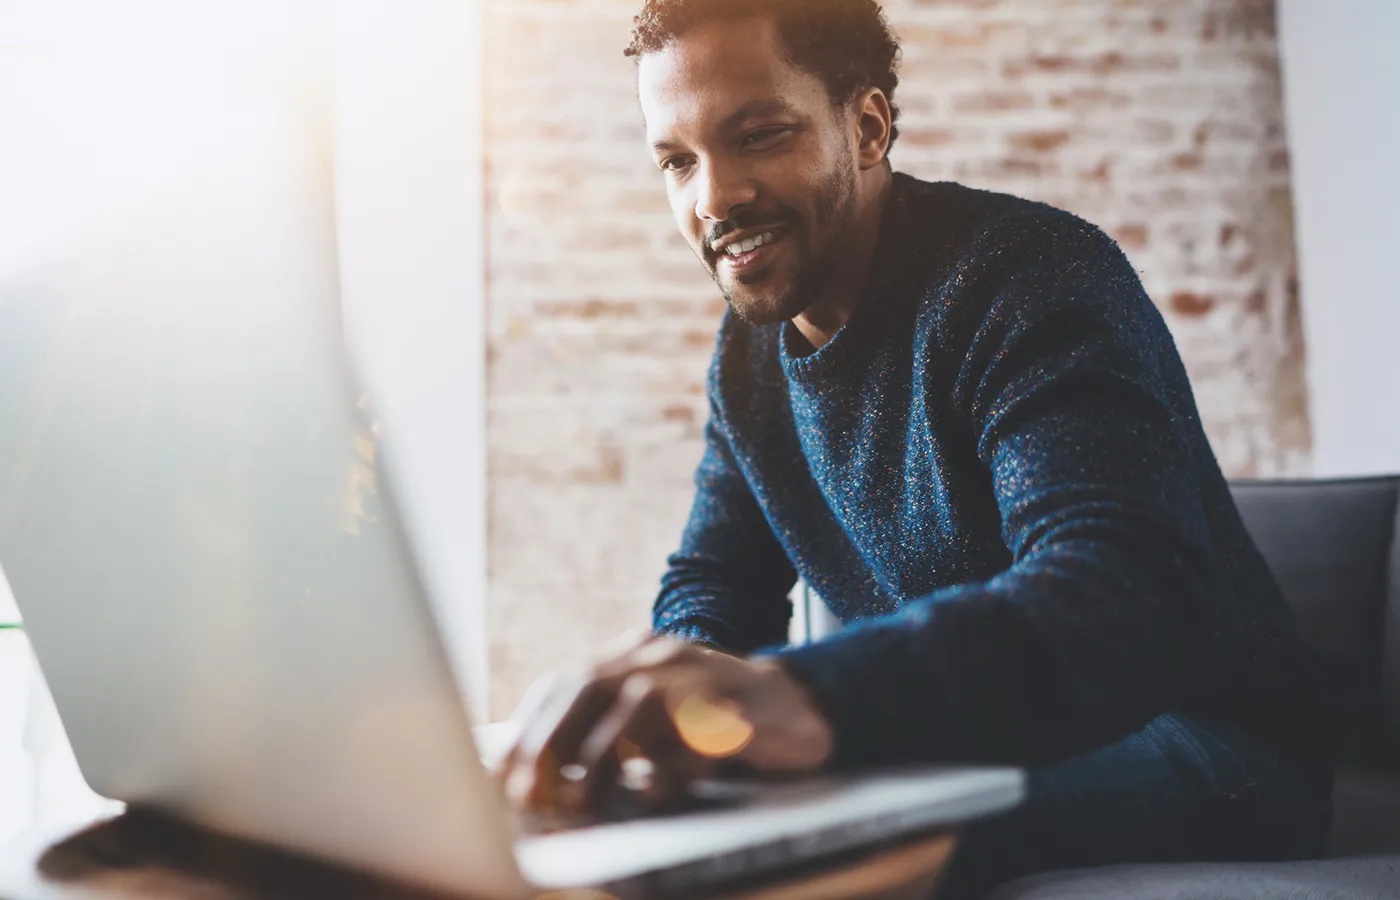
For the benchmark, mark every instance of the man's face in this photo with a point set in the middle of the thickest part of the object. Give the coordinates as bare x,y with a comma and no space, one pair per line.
760,165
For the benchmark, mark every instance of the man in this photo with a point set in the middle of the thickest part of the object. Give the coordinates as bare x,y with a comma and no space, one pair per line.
957,416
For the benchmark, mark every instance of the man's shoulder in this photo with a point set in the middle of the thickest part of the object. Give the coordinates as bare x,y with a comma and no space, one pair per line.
958,207
989,243
965,244
974,226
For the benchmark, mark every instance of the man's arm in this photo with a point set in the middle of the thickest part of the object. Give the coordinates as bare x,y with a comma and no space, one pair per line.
727,586
1110,612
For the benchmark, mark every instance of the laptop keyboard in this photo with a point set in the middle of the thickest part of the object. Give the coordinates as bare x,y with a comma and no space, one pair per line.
782,854
622,805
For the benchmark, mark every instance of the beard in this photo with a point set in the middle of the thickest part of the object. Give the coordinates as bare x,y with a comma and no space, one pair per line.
816,249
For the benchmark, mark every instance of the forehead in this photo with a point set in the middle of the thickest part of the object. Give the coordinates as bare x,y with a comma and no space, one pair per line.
714,70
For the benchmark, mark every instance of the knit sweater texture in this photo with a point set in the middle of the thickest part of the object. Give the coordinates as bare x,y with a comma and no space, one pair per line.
996,476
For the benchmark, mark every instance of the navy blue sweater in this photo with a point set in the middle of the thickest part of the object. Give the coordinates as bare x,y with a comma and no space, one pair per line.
996,476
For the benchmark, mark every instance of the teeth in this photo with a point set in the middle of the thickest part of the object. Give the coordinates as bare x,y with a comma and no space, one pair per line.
748,246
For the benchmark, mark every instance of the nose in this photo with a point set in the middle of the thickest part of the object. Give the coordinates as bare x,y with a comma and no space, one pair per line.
721,190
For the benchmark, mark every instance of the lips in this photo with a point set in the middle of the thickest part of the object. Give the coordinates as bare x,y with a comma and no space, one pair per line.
750,261
751,251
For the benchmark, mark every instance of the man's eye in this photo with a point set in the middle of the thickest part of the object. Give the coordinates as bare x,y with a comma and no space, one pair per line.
674,163
762,135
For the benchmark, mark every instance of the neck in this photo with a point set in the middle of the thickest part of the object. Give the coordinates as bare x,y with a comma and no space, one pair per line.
832,308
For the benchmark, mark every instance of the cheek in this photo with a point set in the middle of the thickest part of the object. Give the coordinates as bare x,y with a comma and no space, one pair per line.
804,187
682,211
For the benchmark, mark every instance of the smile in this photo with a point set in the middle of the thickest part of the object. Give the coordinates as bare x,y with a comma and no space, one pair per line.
739,248
751,253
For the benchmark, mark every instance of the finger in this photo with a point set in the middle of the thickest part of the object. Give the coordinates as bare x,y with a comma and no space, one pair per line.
536,698
549,705
551,740
545,749
675,762
625,731
656,652
674,769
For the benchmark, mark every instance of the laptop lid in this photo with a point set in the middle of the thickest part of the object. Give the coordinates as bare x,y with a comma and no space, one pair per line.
195,524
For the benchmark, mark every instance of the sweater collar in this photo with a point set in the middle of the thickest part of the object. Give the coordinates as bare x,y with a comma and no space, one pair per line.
804,365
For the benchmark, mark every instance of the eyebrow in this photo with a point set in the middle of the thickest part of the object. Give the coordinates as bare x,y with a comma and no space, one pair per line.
754,109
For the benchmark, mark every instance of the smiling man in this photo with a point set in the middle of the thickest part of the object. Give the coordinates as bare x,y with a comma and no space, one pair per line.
957,416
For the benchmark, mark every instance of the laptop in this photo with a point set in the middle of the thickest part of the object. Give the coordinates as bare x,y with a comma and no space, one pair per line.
198,522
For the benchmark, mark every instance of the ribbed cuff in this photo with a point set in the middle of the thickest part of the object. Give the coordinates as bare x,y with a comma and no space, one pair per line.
695,631
879,714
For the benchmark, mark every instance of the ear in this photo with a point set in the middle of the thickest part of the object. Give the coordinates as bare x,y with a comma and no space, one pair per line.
873,123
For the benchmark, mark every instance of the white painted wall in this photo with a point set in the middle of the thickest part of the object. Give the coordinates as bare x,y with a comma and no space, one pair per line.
1341,69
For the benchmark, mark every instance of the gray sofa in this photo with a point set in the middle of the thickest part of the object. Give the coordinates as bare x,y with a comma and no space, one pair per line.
1335,548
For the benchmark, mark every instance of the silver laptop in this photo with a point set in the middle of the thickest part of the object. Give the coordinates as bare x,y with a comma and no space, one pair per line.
197,523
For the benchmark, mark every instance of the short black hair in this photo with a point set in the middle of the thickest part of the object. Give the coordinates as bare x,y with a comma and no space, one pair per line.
845,43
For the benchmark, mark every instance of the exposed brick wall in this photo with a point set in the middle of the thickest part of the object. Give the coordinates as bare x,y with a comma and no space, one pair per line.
1161,121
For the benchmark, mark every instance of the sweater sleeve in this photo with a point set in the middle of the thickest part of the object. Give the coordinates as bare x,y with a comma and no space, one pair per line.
1108,614
728,584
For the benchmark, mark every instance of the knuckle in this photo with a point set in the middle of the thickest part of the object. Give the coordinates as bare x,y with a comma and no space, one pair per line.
638,685
674,649
659,651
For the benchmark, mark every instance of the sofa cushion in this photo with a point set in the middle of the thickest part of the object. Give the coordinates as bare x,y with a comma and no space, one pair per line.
1365,812
1334,547
1358,878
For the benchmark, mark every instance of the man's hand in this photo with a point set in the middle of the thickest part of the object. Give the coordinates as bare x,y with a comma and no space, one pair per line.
680,707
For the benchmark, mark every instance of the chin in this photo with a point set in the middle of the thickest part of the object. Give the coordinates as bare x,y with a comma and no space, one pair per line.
766,307
760,310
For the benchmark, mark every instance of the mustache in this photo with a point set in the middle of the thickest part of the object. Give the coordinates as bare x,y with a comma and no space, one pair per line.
746,219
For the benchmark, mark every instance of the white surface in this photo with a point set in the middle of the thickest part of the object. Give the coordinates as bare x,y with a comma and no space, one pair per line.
812,620
1341,72
9,613
39,779
209,567
409,223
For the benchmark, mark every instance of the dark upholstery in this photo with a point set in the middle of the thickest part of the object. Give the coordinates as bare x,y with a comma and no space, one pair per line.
1335,549
1361,878
1334,546
1365,811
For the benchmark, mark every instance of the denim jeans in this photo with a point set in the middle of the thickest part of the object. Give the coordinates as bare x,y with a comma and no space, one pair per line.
1181,789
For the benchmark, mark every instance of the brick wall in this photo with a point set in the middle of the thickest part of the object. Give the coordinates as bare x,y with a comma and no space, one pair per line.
1160,121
